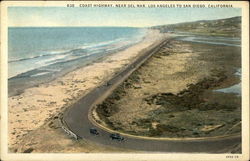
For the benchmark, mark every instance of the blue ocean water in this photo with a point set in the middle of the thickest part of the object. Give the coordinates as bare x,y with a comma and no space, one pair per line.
37,51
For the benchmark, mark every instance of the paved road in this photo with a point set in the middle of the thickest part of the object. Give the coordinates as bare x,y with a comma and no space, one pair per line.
76,120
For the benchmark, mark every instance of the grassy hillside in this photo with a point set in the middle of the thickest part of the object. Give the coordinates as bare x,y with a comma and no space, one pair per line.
221,27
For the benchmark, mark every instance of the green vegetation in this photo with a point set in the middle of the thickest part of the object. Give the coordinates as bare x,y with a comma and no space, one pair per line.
223,27
195,110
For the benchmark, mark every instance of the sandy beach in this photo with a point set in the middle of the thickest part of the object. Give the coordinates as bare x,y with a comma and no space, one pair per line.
31,112
183,73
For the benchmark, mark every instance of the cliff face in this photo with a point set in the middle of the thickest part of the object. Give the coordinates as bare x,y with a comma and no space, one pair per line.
221,27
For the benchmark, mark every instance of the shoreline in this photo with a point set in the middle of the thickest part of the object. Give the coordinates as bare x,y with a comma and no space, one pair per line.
19,83
80,126
51,126
36,105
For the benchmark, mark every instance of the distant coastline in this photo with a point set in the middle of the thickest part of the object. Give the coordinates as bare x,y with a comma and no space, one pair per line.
168,104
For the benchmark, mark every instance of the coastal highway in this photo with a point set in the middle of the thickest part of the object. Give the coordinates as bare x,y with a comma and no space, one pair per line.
77,119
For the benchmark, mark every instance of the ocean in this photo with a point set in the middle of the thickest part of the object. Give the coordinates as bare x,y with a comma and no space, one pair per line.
38,55
34,52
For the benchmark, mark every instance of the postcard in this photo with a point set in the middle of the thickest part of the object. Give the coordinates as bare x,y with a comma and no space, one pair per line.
124,80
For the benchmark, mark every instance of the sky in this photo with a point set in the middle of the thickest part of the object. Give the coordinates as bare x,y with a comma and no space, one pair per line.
132,17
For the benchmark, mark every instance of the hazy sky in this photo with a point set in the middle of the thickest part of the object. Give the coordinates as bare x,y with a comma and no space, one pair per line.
136,17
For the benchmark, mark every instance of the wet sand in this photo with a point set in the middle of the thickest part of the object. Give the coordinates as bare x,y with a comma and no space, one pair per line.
37,109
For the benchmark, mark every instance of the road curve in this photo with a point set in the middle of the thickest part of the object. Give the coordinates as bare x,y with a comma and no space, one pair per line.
76,120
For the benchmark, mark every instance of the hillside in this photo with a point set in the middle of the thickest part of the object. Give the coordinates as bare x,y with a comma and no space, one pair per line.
221,27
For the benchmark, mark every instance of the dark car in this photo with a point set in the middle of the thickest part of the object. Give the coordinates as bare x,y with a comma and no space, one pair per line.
116,137
93,131
108,84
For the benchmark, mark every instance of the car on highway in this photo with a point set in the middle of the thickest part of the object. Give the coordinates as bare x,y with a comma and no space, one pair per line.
116,137
93,131
108,84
